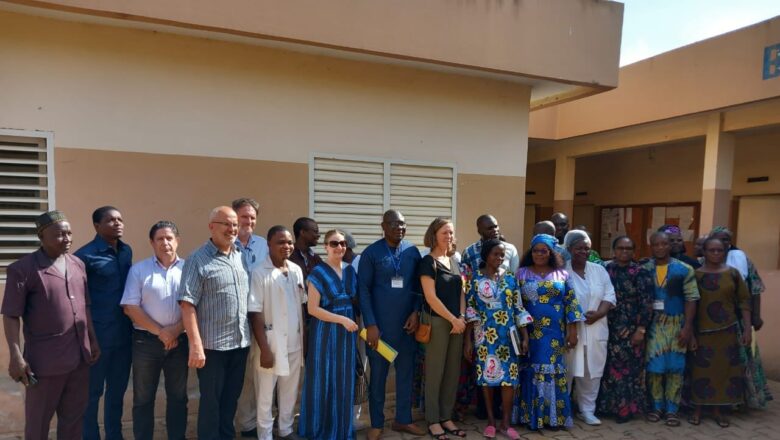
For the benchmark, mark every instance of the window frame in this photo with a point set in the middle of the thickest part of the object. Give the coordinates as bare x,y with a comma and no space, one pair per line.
386,185
21,135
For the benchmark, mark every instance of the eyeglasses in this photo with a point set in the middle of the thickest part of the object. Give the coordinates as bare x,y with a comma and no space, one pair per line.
396,224
229,225
624,248
335,244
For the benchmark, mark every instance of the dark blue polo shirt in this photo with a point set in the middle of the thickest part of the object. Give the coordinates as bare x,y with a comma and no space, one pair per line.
106,275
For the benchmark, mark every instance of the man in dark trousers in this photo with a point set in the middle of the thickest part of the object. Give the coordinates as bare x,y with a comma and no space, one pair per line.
107,260
47,291
389,289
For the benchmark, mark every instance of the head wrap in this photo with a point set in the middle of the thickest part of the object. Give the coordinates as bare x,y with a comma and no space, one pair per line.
720,229
47,219
548,240
351,244
575,236
670,229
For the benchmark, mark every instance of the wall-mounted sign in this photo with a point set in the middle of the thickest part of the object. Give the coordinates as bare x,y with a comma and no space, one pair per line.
772,61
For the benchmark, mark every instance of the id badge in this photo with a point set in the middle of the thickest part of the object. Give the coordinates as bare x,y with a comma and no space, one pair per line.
658,305
397,283
493,305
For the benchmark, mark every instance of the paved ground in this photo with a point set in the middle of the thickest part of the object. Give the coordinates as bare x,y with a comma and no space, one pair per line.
744,426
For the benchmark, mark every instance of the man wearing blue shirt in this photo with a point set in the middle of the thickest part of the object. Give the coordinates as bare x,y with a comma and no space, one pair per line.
389,289
107,260
254,250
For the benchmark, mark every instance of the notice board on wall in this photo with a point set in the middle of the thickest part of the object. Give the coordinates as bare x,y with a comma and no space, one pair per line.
640,221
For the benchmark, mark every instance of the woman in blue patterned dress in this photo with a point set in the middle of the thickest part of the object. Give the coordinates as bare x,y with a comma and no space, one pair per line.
329,383
549,298
493,310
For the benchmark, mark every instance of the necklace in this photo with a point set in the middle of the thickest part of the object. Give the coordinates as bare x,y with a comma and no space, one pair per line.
541,272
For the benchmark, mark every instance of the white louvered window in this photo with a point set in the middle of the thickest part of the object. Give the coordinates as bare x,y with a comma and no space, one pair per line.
26,191
353,193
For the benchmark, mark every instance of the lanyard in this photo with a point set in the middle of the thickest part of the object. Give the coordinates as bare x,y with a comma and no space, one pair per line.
395,257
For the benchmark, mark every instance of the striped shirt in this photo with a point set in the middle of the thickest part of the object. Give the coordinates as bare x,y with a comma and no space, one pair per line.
218,286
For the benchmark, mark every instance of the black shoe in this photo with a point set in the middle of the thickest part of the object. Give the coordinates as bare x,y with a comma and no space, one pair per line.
252,433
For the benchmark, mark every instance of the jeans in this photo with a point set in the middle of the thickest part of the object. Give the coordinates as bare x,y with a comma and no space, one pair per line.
149,359
111,373
220,382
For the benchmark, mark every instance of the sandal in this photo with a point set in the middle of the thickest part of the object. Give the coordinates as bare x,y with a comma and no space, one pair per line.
489,432
693,419
457,432
511,433
722,422
672,420
653,416
440,436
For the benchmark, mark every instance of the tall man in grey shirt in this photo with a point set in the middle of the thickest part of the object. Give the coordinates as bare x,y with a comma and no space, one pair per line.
213,297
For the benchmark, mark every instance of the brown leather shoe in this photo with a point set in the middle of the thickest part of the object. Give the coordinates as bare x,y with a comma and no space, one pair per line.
409,429
374,434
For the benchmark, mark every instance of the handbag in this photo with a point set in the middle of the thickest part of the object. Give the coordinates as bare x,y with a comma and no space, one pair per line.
361,384
423,332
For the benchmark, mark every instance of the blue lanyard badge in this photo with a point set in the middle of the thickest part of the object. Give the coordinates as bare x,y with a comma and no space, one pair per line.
397,282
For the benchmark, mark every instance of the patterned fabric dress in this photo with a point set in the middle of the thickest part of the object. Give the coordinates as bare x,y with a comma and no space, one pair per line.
665,357
495,307
622,391
329,382
544,397
756,387
717,372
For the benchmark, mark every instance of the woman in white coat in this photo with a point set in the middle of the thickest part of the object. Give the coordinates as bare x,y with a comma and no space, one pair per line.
596,295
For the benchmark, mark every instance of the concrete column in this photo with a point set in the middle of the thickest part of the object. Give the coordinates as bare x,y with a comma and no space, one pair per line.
563,200
718,172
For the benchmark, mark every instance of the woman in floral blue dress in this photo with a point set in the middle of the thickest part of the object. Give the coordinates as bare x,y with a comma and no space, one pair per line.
549,298
493,310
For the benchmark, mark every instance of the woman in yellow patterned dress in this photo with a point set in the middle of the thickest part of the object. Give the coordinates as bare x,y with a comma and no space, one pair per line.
495,312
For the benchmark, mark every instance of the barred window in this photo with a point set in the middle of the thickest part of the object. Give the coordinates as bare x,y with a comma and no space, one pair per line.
353,193
26,191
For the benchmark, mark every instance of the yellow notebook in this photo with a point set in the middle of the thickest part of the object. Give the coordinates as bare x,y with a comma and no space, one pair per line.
383,348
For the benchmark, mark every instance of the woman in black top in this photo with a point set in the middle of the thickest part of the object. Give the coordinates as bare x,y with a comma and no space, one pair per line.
445,301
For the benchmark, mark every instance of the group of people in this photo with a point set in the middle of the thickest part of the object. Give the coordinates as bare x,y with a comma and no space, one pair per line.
253,314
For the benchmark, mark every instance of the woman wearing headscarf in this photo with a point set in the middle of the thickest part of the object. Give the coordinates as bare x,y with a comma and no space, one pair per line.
495,313
757,390
623,393
677,243
549,297
717,376
594,292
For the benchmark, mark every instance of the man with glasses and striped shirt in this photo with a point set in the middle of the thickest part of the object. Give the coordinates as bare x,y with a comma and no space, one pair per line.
213,297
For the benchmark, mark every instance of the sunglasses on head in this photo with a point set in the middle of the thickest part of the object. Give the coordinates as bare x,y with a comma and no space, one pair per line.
335,243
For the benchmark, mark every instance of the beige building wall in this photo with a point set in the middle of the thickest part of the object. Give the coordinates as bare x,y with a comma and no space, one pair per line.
667,173
116,89
168,126
685,81
575,41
